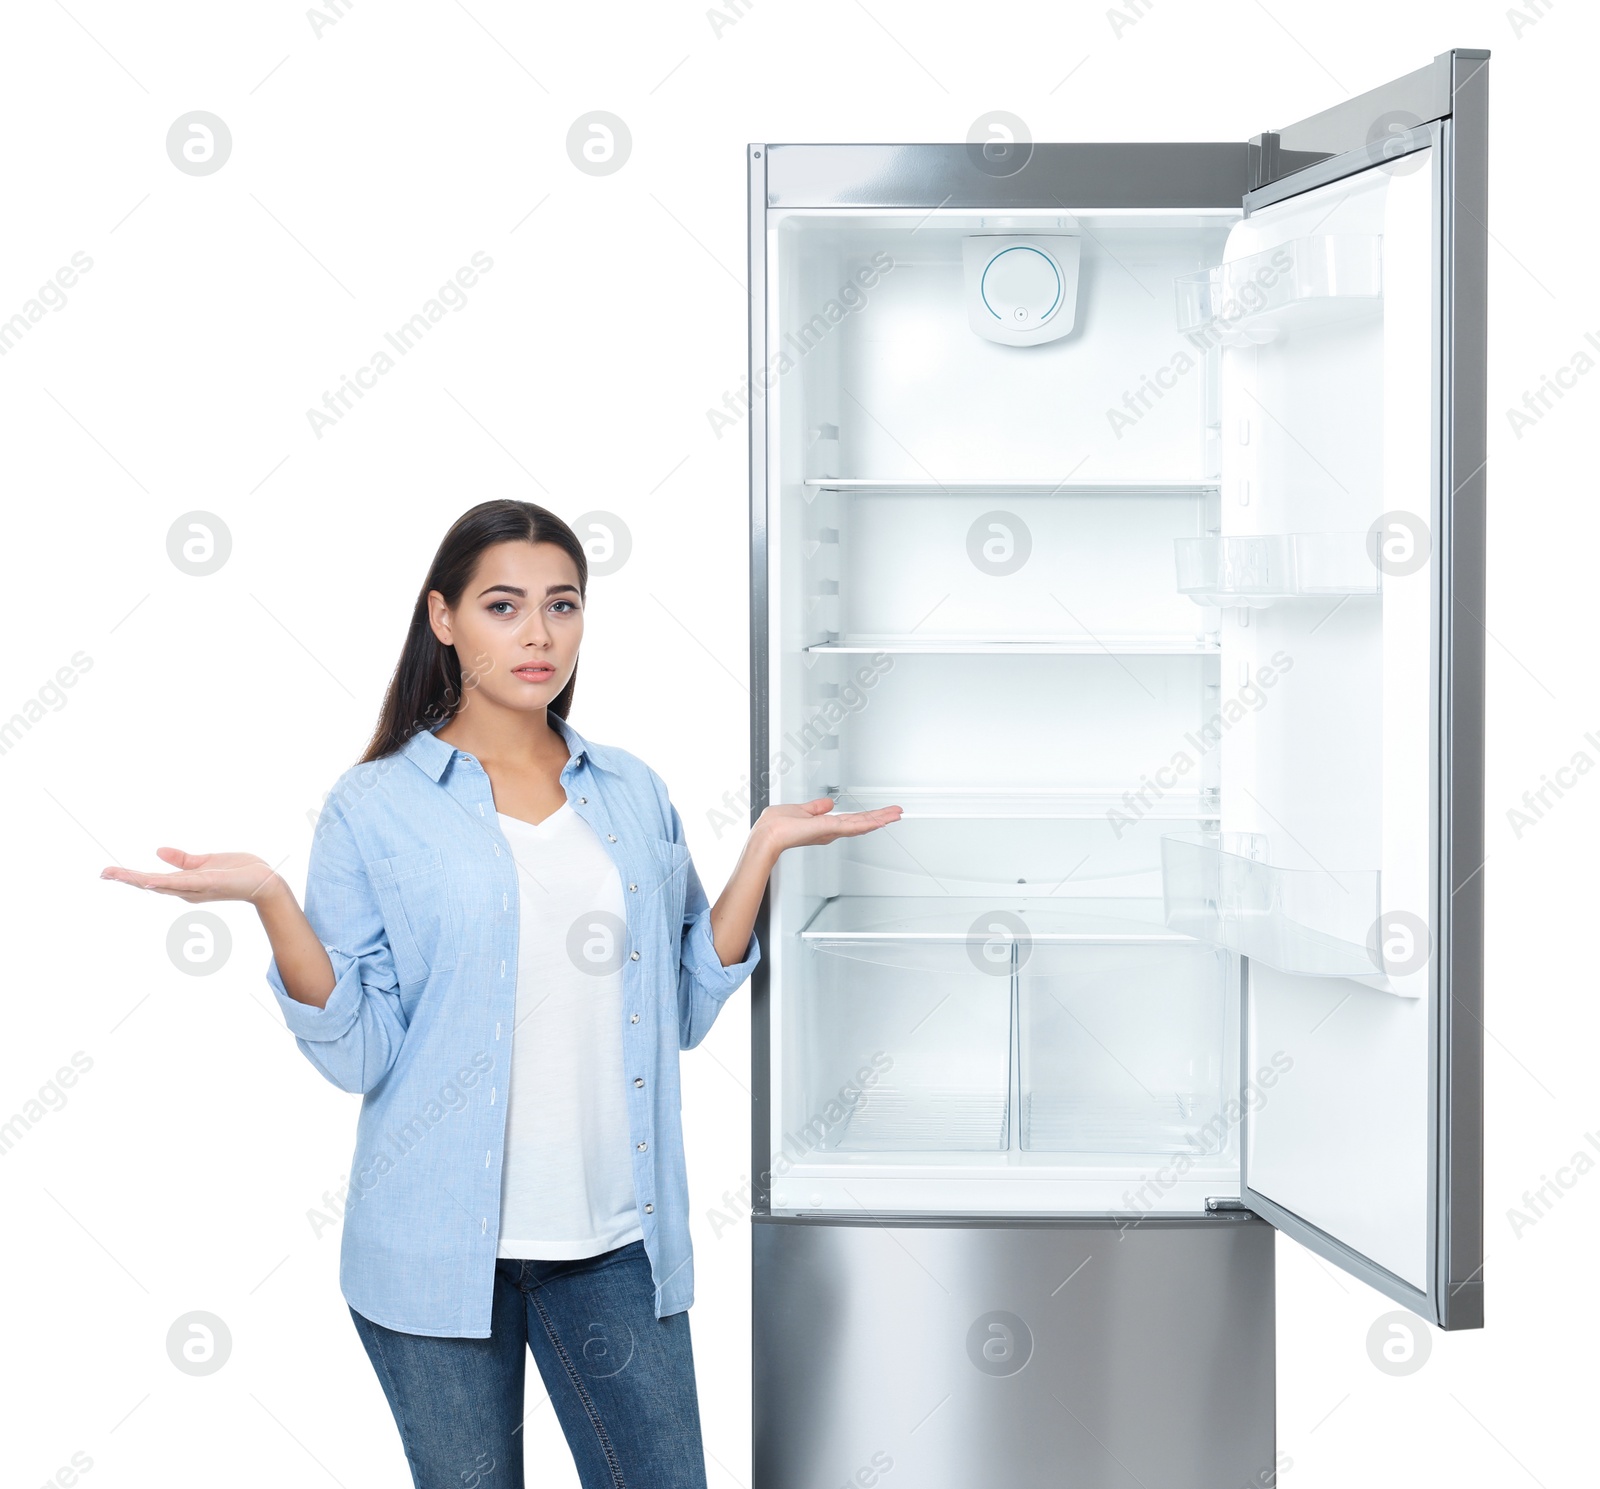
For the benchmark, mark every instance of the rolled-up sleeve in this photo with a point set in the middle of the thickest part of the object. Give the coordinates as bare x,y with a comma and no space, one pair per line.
704,984
355,1038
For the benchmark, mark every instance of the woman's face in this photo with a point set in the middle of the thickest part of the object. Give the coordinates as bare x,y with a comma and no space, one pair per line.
517,629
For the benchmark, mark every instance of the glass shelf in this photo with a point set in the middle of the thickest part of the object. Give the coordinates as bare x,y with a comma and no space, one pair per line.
891,487
980,803
1219,888
1160,646
1253,571
866,920
1301,284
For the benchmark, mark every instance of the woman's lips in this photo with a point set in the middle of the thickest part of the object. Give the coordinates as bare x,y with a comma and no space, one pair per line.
534,673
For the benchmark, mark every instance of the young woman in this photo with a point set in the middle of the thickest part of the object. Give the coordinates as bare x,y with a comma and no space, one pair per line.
504,947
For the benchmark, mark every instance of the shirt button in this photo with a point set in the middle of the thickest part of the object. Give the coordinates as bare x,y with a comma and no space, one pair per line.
638,1080
649,1209
611,837
643,1146
633,956
634,1019
633,889
583,801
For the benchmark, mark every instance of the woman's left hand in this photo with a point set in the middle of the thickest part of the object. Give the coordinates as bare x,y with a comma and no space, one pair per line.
793,825
802,824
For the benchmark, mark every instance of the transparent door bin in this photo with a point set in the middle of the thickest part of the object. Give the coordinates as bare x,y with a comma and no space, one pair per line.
1122,1049
1221,888
1300,284
1253,571
933,1029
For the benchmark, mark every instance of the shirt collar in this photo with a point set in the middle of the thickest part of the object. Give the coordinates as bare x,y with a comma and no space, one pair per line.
432,754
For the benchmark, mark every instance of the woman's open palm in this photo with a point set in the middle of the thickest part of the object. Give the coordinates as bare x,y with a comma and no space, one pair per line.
202,877
801,824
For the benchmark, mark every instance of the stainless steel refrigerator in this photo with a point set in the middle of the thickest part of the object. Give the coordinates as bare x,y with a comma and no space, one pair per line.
1118,511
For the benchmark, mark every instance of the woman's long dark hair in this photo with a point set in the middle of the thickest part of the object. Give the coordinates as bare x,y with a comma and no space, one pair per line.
427,686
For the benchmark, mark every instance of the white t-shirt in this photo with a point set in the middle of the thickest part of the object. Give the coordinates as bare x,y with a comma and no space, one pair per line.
567,1186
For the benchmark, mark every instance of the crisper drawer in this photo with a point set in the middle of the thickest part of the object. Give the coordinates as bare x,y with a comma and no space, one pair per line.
1122,1048
932,1027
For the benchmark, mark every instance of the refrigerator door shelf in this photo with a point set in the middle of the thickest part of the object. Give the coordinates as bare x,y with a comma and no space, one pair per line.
1302,284
1126,645
1316,922
1257,570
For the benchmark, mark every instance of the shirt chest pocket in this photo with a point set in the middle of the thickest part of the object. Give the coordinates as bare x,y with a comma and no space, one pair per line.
666,881
418,910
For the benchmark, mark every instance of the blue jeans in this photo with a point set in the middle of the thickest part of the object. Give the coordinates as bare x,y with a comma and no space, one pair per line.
621,1380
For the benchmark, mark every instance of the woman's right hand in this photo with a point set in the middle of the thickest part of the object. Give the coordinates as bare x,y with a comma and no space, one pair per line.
301,958
204,877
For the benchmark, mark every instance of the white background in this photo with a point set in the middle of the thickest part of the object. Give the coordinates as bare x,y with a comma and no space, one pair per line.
368,164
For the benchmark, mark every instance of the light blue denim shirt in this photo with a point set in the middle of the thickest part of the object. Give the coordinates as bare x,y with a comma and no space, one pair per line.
412,888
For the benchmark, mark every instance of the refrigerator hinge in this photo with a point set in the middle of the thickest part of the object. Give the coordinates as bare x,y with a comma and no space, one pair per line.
1263,159
1228,1203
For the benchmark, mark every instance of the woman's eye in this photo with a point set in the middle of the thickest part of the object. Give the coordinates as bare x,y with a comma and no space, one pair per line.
563,606
494,608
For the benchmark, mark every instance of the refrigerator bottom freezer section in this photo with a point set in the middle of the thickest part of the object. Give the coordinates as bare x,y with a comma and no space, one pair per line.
937,1354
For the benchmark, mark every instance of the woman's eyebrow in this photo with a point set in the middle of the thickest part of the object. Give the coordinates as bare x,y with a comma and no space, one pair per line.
522,594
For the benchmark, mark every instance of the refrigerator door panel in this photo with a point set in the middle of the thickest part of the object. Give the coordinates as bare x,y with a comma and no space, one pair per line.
945,1355
1350,310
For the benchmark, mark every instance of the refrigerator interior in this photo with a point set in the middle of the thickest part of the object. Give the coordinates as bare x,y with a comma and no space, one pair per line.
1008,586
